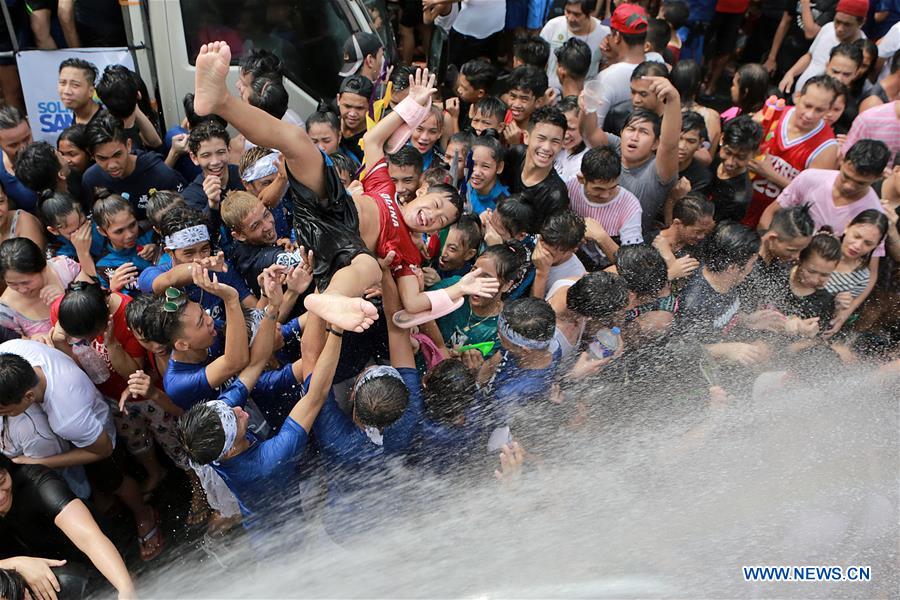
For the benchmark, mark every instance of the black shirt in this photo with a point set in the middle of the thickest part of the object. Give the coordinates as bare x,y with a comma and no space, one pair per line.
250,260
765,284
195,196
350,145
547,197
150,172
731,197
698,175
705,313
39,495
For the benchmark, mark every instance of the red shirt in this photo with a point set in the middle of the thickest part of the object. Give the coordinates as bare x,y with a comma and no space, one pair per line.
115,384
394,234
732,6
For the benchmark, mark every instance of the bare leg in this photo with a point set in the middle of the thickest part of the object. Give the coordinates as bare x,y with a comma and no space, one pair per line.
40,27
211,96
155,472
130,495
11,86
342,303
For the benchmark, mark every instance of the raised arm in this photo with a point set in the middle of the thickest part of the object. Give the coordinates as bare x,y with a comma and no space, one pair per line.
307,408
263,343
76,522
211,95
421,87
670,131
236,352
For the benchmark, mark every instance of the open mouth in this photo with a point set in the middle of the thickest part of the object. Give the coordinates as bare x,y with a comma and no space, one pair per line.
421,219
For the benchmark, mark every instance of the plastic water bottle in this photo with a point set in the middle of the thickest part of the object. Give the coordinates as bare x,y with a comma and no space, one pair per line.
605,343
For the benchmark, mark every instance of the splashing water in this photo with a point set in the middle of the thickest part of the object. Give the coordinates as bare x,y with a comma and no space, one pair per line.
653,503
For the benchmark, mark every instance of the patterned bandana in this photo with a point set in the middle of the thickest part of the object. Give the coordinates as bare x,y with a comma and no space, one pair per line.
229,424
518,339
187,237
262,168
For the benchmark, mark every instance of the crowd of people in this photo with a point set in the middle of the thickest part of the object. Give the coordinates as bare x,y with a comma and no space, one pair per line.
436,270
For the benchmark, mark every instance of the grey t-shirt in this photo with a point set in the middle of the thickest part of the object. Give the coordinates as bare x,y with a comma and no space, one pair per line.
644,182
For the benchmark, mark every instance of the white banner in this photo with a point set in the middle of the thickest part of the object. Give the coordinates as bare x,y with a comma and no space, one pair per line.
39,70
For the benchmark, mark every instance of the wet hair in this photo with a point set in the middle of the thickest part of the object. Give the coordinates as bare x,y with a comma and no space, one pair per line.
11,117
88,68
252,155
400,77
532,50
686,77
869,47
37,166
492,144
199,432
650,68
480,74
868,157
640,115
17,376
157,325
753,87
515,213
450,193
563,230
159,203
260,62
532,318
343,163
470,230
824,245
568,104
793,222
407,156
575,57
849,50
83,311
193,118
179,218
54,207
107,205
206,131
138,312
103,129
236,205
76,135
691,208
491,106
448,390
118,89
870,216
602,163
677,13
12,585
324,117
462,137
530,79
380,401
269,95
730,245
742,133
21,255
436,174
550,115
510,259
826,82
693,121
658,35
642,269
597,295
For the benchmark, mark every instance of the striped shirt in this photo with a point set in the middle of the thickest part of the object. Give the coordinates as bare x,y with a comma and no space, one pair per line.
854,282
879,123
620,217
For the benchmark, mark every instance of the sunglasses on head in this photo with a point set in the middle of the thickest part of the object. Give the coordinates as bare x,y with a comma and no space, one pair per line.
175,299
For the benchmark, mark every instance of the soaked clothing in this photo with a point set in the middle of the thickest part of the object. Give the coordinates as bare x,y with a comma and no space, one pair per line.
546,197
394,235
329,224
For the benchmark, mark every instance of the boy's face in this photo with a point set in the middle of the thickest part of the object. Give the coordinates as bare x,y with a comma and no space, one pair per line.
323,136
573,137
466,92
198,330
521,104
113,158
455,252
212,157
599,191
460,151
811,107
842,68
688,144
191,253
846,27
406,180
544,142
734,160
75,91
560,255
638,141
642,97
353,109
258,227
429,212
481,121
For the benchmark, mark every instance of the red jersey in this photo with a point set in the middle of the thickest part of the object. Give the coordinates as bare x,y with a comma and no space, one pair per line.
394,234
789,157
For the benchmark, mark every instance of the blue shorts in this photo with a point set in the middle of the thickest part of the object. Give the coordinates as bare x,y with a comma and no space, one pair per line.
530,14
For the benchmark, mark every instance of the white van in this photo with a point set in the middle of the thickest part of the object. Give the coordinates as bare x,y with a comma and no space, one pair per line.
308,35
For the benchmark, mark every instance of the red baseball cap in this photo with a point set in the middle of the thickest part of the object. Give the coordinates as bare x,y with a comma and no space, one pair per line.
632,18
854,8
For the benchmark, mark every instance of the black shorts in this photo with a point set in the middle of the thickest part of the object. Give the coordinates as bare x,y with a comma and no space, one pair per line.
410,13
724,34
106,475
328,226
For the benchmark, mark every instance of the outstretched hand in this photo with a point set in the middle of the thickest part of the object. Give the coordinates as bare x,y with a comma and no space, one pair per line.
474,283
421,86
201,279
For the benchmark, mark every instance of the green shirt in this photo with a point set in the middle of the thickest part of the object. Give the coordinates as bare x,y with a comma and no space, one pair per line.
462,326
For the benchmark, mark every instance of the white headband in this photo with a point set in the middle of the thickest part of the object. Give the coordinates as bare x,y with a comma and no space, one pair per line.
374,372
187,237
229,424
518,339
262,168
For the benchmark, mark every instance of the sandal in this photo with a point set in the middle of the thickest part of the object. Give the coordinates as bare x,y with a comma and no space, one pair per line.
151,543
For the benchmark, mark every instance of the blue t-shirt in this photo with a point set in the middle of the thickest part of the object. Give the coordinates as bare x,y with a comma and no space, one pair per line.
213,305
441,448
483,202
113,259
150,172
16,190
513,387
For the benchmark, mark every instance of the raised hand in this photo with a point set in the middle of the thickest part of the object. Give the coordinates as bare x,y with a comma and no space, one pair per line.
474,283
201,279
421,86
124,276
216,262
82,238
541,257
299,277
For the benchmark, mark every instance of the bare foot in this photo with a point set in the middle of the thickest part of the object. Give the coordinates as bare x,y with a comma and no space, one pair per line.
209,80
351,314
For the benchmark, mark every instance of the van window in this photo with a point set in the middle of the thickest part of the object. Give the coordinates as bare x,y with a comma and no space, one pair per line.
308,35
